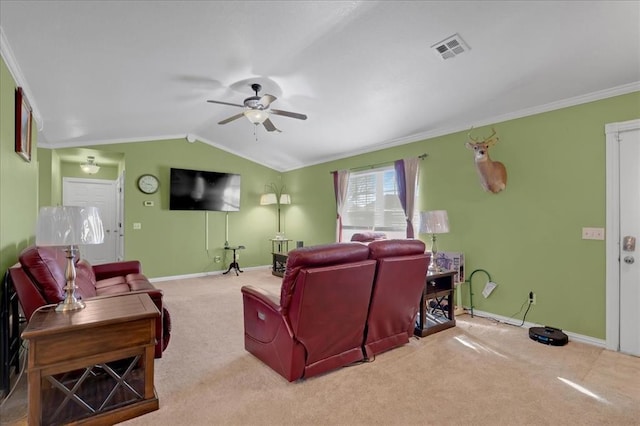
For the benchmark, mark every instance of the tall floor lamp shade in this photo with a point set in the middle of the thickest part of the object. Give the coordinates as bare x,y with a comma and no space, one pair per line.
434,222
69,226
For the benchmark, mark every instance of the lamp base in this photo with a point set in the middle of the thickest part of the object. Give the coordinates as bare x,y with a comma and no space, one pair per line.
433,268
70,301
66,306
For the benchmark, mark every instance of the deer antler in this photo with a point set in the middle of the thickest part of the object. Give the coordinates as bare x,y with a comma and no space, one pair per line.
469,135
489,140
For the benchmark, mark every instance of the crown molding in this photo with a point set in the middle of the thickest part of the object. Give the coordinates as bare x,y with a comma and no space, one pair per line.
14,69
565,103
94,143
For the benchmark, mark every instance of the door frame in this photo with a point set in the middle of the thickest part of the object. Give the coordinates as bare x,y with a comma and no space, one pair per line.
612,238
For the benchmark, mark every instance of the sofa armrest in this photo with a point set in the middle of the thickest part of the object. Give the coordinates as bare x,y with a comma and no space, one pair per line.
28,295
269,299
262,314
117,269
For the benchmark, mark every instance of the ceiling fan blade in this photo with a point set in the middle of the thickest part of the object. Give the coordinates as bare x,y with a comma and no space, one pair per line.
234,117
289,114
266,100
225,103
268,124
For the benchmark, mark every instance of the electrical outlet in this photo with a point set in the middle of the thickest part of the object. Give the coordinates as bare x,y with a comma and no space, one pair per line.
532,298
217,259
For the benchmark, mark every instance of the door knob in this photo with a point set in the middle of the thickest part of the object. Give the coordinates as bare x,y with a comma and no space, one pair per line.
629,259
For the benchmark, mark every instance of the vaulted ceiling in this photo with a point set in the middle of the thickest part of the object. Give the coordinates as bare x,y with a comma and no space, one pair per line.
364,72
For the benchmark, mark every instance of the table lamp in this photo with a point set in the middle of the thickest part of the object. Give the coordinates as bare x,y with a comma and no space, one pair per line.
69,226
434,222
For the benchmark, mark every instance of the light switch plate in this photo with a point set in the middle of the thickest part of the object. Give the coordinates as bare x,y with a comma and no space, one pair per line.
593,233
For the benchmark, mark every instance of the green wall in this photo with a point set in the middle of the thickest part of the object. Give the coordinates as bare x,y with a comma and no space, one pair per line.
173,243
529,236
18,180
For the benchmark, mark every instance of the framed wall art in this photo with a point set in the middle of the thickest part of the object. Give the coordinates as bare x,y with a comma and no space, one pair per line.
23,125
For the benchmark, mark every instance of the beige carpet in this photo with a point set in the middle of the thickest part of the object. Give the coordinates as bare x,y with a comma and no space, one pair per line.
479,372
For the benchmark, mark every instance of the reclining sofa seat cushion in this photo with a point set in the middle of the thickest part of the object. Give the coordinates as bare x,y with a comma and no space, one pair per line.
40,280
395,300
318,324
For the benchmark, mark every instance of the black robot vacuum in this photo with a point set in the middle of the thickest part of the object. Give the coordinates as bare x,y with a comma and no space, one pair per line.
548,335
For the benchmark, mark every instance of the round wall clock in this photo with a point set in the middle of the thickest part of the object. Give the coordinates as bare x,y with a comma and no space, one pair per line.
148,184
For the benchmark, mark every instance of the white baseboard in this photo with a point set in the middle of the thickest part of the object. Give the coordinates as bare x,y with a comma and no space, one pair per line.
513,321
202,274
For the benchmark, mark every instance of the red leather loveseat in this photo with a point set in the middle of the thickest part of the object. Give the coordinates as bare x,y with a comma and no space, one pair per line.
39,279
339,303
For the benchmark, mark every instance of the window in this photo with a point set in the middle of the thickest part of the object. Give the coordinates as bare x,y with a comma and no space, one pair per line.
373,204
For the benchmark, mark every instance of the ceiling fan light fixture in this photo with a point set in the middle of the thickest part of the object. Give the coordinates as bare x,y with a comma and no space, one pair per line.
90,166
256,116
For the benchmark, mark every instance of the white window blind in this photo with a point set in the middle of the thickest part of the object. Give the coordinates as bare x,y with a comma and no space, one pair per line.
373,204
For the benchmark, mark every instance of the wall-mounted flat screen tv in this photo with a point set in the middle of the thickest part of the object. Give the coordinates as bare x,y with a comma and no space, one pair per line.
204,190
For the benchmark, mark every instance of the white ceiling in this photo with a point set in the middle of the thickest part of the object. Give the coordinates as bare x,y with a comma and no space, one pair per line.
364,73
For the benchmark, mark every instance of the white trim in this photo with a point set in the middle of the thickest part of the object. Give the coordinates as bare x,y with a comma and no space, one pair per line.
87,143
202,274
14,69
573,336
613,231
577,100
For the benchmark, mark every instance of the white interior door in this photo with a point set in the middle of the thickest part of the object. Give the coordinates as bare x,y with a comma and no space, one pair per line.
623,224
103,195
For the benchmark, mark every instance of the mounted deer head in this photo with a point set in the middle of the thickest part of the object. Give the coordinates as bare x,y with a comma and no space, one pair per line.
493,174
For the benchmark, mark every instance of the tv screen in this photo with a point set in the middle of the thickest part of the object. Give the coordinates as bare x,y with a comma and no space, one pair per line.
203,190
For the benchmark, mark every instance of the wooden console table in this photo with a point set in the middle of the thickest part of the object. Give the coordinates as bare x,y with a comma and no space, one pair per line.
94,365
436,312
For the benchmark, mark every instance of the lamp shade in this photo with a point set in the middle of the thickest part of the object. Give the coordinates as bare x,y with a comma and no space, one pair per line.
256,116
266,199
69,225
434,222
285,199
90,166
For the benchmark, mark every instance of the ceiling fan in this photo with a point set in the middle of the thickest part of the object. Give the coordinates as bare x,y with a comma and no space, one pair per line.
257,110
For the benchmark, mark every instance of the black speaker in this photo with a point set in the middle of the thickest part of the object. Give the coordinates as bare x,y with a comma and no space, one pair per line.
299,244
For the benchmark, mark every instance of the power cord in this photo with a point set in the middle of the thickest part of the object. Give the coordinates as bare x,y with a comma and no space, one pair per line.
527,302
525,313
23,356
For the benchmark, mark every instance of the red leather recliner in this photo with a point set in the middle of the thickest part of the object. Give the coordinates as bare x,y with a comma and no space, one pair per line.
39,279
318,322
399,282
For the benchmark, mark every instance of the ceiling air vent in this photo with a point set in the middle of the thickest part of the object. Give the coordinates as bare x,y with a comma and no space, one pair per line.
450,47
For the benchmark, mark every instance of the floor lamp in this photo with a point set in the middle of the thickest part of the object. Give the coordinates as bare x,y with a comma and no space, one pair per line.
278,197
434,222
69,226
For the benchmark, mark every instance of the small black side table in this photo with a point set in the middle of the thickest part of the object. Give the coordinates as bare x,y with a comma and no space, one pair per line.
234,265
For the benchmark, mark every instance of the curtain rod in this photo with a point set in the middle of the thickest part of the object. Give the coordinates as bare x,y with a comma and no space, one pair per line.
373,166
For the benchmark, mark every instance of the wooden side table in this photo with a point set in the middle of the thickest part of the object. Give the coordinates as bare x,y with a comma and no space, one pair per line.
93,365
279,250
436,312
